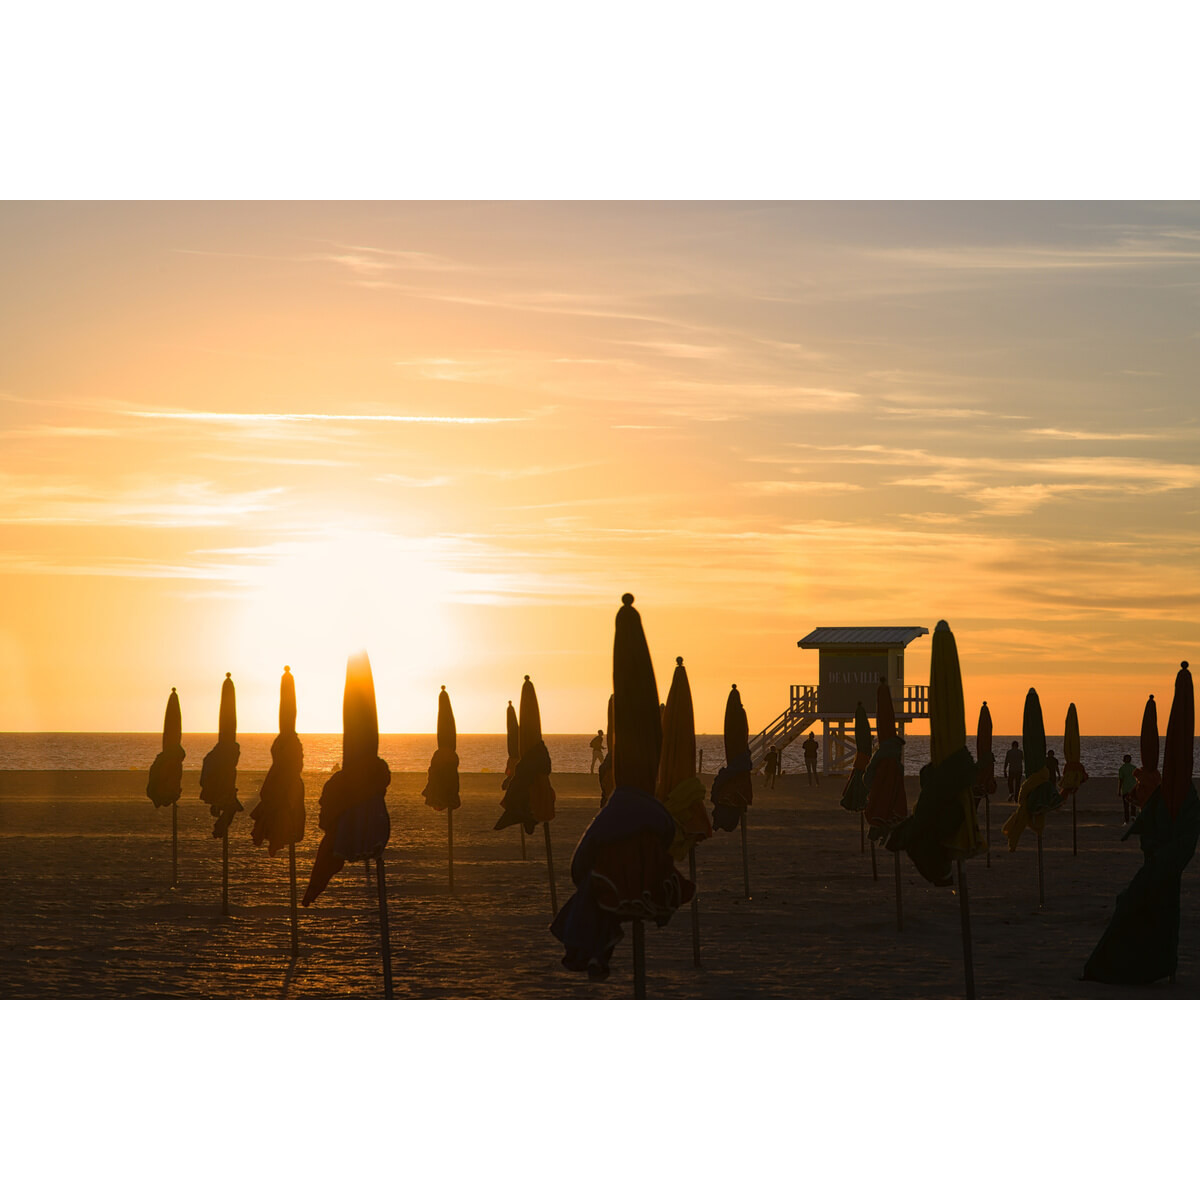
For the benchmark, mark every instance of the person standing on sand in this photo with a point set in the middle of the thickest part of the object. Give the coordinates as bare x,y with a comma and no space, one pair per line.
810,761
1052,767
597,745
771,766
1126,783
1014,770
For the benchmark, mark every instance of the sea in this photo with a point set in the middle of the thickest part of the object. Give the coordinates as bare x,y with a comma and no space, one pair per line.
569,752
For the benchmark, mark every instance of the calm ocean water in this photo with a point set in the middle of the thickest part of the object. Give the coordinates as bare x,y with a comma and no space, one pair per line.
411,751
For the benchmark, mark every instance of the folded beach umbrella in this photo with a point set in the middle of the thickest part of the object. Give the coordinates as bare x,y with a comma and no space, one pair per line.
943,827
732,789
887,804
1141,943
1147,775
854,794
166,772
1037,796
218,773
622,867
1073,776
513,737
353,815
529,798
279,815
605,774
441,789
679,788
985,760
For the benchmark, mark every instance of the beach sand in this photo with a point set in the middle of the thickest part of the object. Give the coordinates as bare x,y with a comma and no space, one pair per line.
89,912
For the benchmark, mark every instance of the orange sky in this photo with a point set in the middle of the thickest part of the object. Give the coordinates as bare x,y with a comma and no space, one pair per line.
239,435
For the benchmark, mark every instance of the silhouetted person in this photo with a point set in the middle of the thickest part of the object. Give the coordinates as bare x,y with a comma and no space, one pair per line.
771,766
1052,767
1126,783
597,745
1014,770
810,760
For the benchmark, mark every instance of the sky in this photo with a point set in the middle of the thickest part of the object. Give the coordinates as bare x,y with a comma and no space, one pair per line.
242,435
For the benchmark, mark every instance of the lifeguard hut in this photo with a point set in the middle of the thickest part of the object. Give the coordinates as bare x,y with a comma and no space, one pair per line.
851,660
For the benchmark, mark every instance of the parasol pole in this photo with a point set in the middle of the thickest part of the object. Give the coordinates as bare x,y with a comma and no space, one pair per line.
1041,877
701,769
987,825
450,843
295,918
1074,833
175,844
745,854
639,960
862,833
899,898
550,868
225,874
367,864
964,910
384,936
695,907
522,829
874,868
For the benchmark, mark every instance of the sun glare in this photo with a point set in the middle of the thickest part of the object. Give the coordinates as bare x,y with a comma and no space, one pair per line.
310,604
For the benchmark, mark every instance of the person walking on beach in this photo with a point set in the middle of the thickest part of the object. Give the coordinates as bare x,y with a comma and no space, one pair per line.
597,745
771,766
1052,767
1126,783
810,760
1014,770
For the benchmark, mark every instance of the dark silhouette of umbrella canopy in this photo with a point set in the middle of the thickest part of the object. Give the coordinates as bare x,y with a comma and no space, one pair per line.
1147,775
353,816
1073,776
605,773
218,774
943,827
622,868
733,788
529,798
166,773
1141,943
279,815
985,760
513,731
679,788
887,805
854,794
441,789
1037,796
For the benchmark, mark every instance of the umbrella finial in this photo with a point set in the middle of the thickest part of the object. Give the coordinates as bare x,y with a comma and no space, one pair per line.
1183,664
679,660
172,689
443,687
985,704
1151,695
627,599
526,680
287,670
227,675
733,687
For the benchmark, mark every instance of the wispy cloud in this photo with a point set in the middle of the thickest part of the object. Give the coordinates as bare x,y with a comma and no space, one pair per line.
267,418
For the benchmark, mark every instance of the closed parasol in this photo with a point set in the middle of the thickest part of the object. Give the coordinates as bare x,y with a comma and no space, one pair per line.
529,797
353,815
985,773
679,788
441,789
279,815
605,774
512,731
218,773
1037,796
943,829
854,794
1073,776
1141,943
733,789
165,785
1147,775
622,867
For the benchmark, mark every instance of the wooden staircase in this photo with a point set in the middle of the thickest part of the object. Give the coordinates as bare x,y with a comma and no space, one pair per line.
788,726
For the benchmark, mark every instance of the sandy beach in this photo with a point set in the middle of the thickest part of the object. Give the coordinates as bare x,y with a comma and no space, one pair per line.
89,911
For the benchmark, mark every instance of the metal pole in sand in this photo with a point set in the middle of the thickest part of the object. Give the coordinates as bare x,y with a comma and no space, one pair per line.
522,829
639,961
1041,876
987,828
225,874
385,939
367,864
295,918
899,898
745,854
175,844
874,868
550,868
1074,831
695,907
862,833
964,910
450,843
700,769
